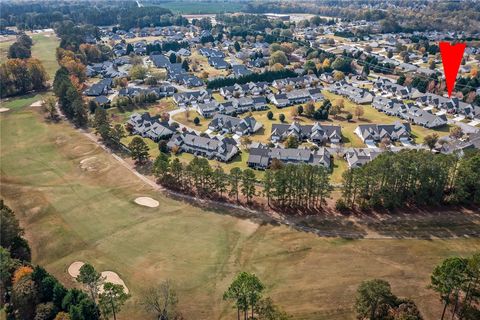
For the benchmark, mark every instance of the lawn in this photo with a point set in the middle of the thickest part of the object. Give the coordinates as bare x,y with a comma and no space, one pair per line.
186,118
120,115
70,214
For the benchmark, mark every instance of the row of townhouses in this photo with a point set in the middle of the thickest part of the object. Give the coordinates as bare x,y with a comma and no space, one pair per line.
357,95
300,82
409,112
219,148
449,105
297,96
149,127
261,157
227,124
232,107
316,133
371,133
242,90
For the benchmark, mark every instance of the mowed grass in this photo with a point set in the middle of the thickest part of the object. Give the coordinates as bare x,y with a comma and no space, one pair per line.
44,46
71,214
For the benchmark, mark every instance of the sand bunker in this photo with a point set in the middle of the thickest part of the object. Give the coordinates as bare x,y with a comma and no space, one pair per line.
74,269
112,277
4,109
93,164
37,104
147,202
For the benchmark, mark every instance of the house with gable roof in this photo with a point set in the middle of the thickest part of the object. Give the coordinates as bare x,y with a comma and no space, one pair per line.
371,133
316,133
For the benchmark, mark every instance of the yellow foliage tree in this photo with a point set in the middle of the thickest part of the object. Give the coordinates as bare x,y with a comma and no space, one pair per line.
62,316
21,272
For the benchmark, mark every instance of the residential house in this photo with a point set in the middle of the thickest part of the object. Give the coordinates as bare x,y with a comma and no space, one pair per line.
239,70
357,157
219,148
424,118
295,97
149,127
371,133
228,124
218,63
192,98
103,87
241,90
357,95
306,81
211,53
391,107
261,157
388,88
316,133
232,107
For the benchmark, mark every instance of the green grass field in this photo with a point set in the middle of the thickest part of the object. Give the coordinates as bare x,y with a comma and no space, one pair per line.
202,7
44,46
71,214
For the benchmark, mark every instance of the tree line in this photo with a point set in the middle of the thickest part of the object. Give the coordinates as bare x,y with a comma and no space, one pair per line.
69,98
412,177
267,76
284,186
20,76
124,13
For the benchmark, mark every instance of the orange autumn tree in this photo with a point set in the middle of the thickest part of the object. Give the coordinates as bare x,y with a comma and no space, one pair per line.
75,67
21,272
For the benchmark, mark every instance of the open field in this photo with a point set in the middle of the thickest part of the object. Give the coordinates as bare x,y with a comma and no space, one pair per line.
72,214
204,7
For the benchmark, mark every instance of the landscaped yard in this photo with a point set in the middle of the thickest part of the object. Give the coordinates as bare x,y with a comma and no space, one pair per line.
72,214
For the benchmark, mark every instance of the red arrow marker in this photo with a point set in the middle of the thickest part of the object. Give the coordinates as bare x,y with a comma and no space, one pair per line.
451,59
